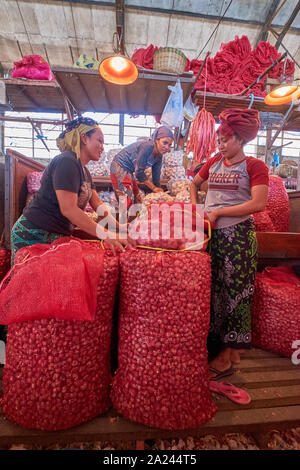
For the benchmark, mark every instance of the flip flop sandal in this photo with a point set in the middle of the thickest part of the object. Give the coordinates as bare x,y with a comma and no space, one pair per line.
235,394
221,374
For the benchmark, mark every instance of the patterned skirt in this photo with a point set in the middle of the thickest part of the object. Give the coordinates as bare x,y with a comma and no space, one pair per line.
24,233
124,184
234,261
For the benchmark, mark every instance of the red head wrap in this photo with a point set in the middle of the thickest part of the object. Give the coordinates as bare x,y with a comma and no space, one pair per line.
243,122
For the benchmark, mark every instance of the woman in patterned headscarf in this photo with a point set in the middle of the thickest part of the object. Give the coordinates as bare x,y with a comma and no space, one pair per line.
66,188
135,158
237,187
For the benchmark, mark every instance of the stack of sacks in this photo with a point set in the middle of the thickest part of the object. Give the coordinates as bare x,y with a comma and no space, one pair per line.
276,216
148,172
98,168
34,184
57,372
174,167
162,378
180,189
276,310
233,68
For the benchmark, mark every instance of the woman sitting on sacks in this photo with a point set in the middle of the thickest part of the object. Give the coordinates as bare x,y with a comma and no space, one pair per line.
66,188
237,187
136,158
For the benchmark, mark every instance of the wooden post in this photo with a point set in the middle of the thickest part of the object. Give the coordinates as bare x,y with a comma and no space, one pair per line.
268,153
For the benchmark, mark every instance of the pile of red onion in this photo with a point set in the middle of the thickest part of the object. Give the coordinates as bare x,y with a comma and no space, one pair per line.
276,216
263,222
162,378
171,226
276,310
278,205
57,373
4,262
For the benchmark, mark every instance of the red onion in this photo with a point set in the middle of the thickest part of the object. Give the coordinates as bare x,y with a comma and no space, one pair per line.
162,378
276,310
57,373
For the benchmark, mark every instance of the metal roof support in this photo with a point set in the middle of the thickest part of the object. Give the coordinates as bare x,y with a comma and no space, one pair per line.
263,35
287,25
283,46
1,134
67,101
121,129
120,22
39,134
271,140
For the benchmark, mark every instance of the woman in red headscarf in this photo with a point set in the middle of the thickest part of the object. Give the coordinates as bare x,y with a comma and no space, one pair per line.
237,188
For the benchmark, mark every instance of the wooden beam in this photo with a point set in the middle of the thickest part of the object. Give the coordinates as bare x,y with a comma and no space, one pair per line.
86,94
66,96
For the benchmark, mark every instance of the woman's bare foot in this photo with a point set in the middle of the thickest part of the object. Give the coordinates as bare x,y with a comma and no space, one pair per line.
235,355
221,363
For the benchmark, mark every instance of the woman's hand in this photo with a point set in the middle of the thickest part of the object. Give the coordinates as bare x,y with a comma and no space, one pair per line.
213,216
157,190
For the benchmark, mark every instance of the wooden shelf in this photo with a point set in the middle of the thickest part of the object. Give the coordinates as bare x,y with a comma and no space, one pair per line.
87,91
105,182
217,102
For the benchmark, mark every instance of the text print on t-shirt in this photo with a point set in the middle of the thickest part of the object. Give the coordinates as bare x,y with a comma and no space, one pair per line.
228,181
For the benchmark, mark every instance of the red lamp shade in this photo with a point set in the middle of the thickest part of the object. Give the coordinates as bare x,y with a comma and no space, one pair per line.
119,70
283,94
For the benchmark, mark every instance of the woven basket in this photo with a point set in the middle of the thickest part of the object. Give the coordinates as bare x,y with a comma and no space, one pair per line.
169,59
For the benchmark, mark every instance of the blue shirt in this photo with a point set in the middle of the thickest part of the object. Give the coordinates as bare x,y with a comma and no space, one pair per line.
137,157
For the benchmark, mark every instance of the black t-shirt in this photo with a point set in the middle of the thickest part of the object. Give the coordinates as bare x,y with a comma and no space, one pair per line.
63,172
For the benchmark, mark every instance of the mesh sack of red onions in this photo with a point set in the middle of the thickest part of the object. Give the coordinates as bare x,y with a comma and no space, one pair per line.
263,222
34,181
162,378
4,262
276,310
57,372
278,205
171,226
66,274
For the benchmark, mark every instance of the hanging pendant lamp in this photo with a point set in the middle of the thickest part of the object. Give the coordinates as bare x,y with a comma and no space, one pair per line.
284,93
118,69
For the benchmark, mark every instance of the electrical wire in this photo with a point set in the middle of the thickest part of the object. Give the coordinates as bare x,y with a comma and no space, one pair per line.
214,29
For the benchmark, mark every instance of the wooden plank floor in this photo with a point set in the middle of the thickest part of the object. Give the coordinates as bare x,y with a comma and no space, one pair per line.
272,381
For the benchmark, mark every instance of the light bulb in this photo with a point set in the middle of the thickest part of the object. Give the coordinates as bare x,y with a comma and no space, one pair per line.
119,63
283,90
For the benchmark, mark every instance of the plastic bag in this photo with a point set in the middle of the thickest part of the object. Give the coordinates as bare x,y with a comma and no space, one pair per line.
33,67
86,62
172,115
190,110
56,281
